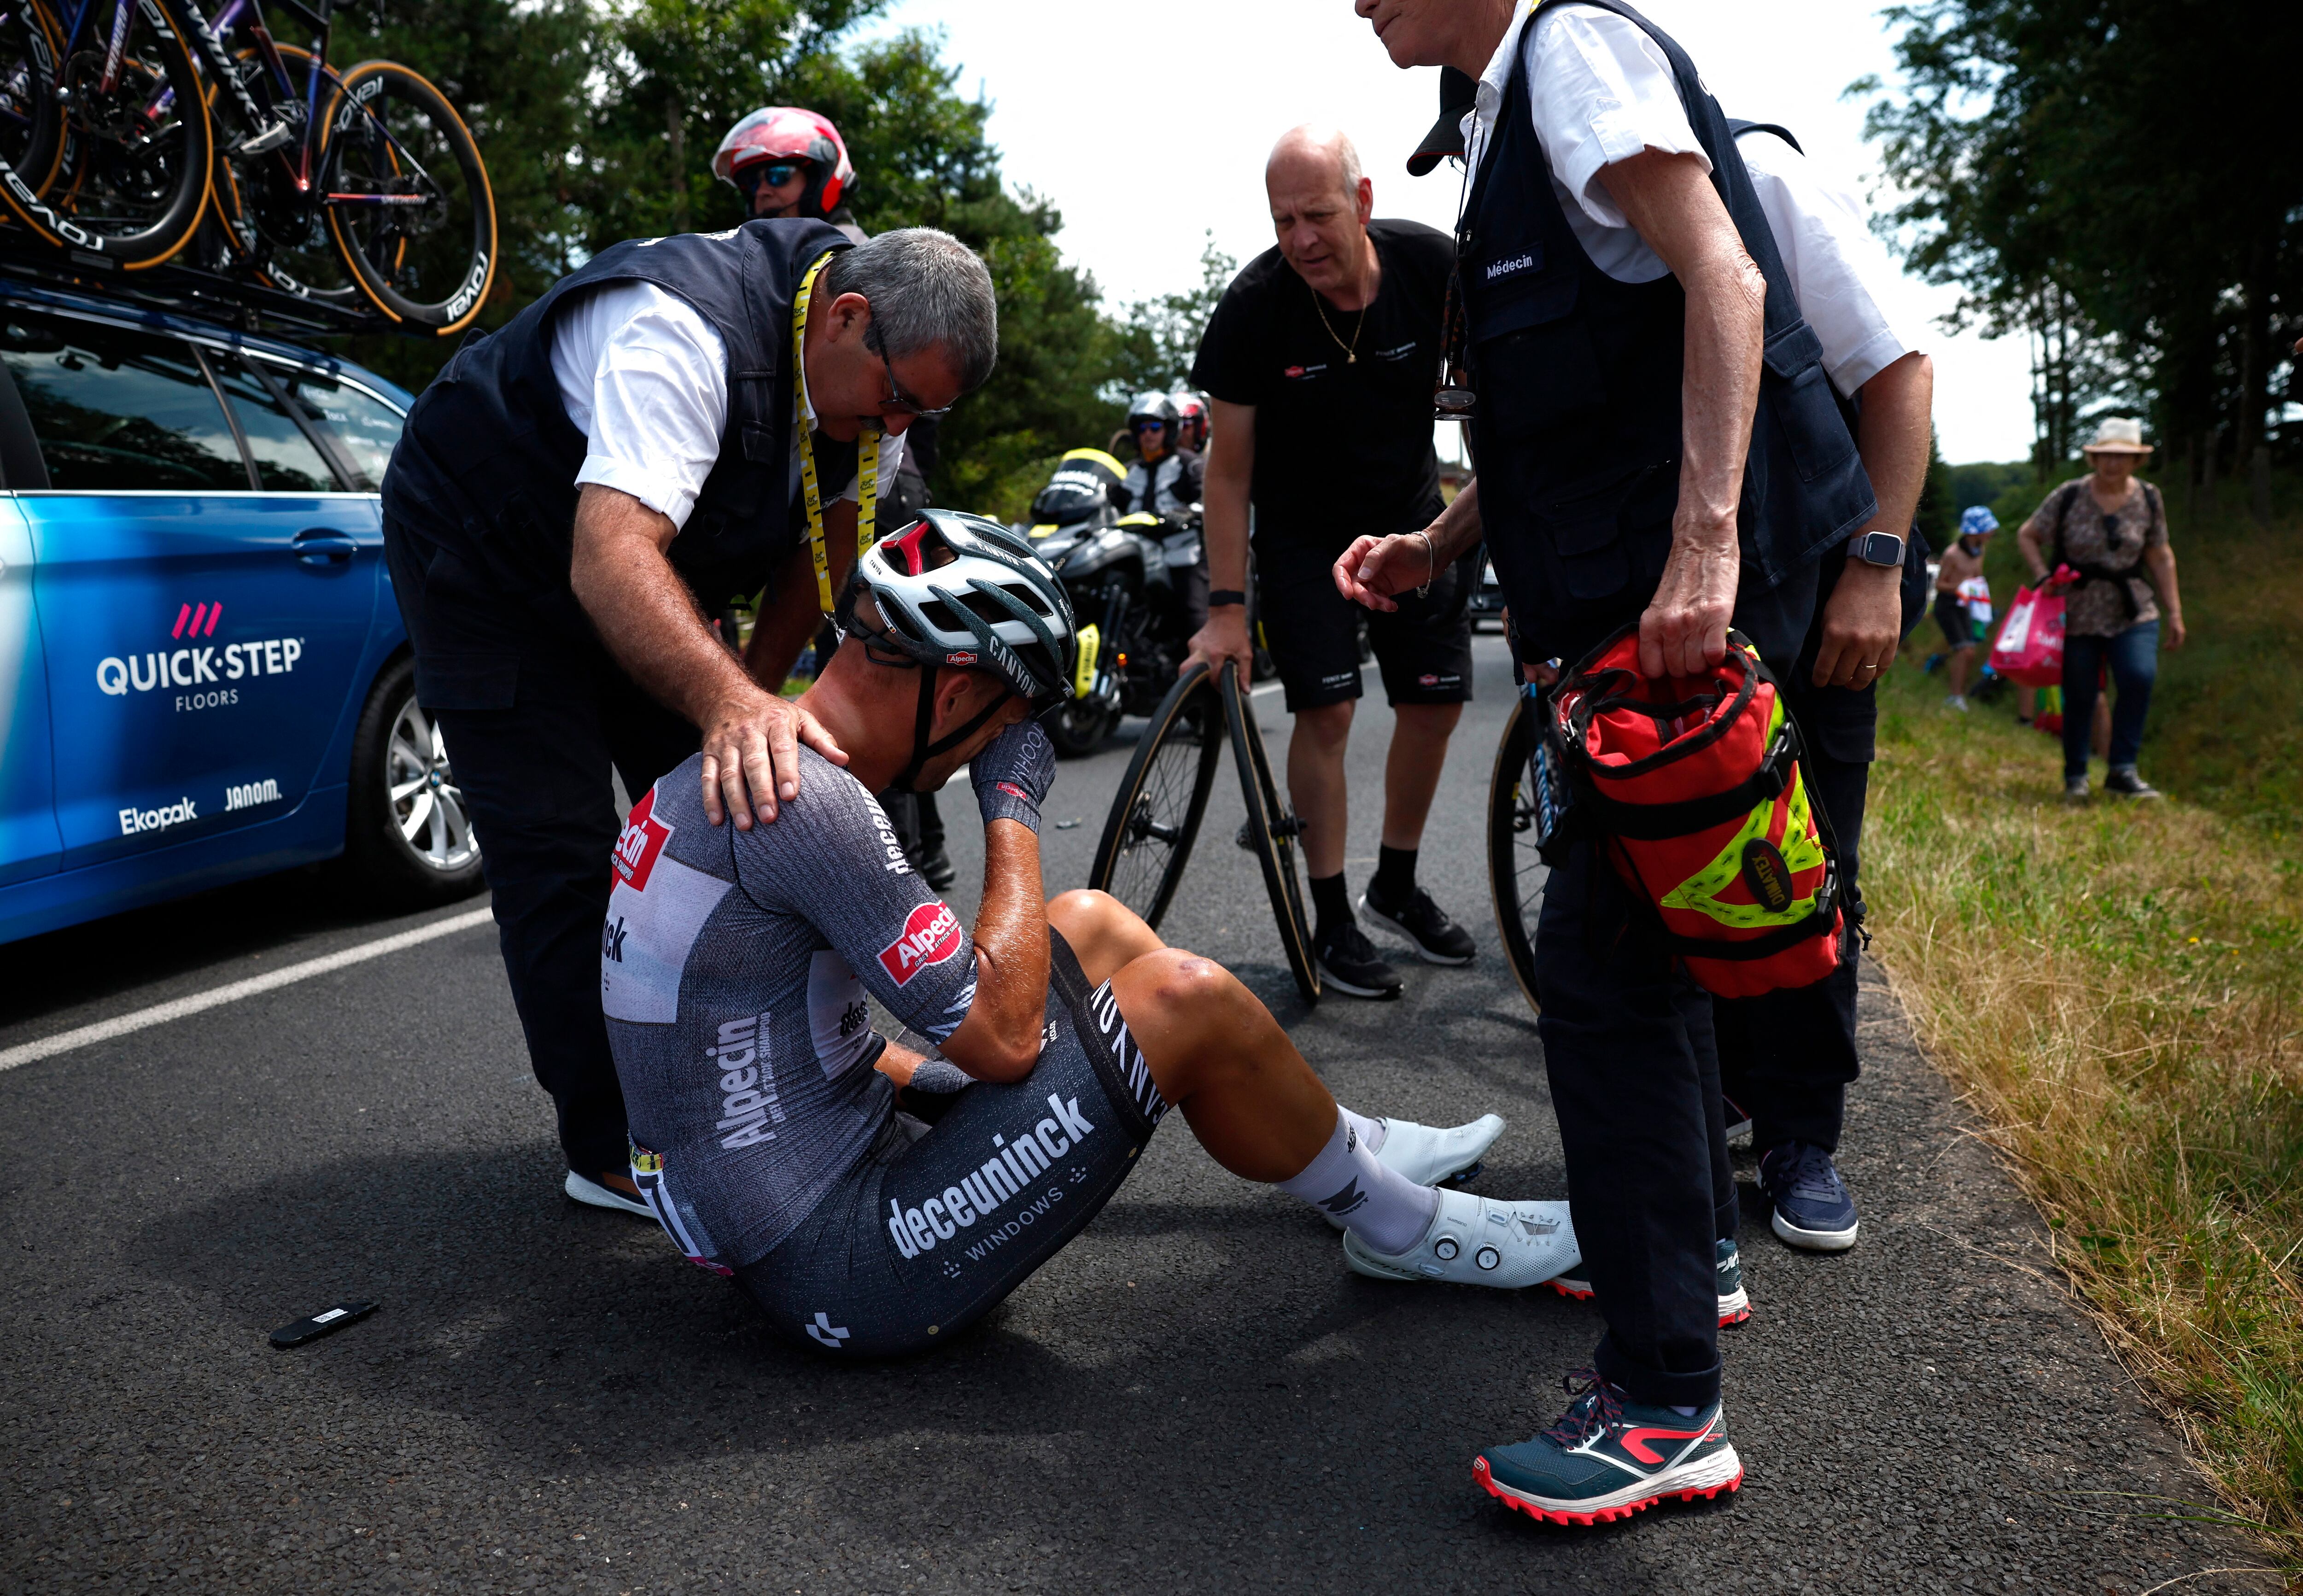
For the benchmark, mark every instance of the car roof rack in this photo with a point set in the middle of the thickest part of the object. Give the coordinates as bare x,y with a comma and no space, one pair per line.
191,291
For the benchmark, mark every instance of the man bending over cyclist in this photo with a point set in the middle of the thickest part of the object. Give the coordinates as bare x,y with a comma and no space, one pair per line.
769,1123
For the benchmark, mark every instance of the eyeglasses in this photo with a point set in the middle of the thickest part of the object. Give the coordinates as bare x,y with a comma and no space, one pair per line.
897,400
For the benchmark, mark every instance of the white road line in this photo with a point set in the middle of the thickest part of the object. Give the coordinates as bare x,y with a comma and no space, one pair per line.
160,1014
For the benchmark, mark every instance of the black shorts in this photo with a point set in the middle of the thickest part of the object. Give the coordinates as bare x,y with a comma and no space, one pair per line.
924,1238
1958,626
1423,648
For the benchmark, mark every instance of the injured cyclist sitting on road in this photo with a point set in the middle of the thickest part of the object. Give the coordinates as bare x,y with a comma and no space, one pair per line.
874,1200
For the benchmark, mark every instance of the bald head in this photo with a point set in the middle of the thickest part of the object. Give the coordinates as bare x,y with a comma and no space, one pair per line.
1320,203
1316,155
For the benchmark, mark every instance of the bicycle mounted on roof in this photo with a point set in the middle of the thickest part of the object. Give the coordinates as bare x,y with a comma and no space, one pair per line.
359,193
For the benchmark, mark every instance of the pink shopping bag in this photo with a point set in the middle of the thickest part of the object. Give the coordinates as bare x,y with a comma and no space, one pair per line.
2029,649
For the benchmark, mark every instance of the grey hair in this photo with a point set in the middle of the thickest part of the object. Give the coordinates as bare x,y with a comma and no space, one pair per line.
929,293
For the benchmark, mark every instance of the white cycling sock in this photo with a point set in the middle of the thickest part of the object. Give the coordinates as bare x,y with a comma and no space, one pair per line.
1382,1207
1371,1131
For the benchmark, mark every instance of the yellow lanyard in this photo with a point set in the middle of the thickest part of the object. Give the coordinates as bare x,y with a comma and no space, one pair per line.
867,455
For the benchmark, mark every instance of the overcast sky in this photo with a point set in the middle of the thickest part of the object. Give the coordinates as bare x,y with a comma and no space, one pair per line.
1148,125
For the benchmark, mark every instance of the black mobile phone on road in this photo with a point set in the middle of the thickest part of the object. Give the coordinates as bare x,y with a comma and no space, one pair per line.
326,1323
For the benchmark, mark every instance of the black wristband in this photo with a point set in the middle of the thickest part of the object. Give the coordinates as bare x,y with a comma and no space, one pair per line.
1226,595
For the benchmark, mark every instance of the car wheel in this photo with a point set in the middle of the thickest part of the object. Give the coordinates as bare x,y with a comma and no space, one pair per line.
411,836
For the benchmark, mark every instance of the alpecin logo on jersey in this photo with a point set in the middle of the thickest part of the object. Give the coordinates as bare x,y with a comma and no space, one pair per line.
642,842
929,936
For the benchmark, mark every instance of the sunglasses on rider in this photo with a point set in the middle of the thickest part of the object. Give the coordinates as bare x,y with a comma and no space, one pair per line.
1150,424
898,400
775,174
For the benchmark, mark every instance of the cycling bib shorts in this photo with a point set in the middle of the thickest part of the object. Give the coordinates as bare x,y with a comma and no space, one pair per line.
922,1238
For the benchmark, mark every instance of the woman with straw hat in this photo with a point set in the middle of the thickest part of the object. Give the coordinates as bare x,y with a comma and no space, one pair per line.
2103,538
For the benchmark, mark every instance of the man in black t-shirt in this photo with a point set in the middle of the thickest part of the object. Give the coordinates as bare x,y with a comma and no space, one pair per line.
1319,365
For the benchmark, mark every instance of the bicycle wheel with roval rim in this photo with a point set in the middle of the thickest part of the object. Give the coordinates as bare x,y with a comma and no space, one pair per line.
1156,818
407,198
261,222
32,115
132,180
1516,872
1272,829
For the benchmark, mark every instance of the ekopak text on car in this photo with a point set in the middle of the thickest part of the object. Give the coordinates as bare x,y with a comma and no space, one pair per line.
203,676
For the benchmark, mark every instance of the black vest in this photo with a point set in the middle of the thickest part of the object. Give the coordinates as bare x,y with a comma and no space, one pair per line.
487,464
1577,429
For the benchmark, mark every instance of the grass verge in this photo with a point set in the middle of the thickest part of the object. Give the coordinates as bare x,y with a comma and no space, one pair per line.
2116,988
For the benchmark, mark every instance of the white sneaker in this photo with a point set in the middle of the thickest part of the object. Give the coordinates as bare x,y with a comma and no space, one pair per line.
1478,1241
584,1189
1428,1154
1956,701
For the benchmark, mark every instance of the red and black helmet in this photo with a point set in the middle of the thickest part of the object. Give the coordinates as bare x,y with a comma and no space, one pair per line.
787,133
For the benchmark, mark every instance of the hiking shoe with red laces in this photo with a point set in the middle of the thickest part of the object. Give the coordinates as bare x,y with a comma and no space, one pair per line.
1608,1458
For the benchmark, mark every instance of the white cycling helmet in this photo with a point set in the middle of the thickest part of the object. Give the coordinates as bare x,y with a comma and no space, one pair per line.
959,591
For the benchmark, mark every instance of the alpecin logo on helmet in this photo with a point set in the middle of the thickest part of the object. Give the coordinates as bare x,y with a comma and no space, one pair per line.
642,842
959,657
929,936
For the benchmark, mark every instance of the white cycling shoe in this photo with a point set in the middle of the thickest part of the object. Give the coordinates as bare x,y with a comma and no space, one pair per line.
1428,1154
1478,1241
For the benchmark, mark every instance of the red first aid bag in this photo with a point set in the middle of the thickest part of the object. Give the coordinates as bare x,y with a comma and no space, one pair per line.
2029,650
1693,786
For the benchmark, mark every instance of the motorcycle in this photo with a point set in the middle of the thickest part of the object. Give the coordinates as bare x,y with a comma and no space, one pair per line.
1125,575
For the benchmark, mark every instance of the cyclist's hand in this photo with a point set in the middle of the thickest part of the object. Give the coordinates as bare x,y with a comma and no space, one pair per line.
1374,568
751,756
1012,774
1224,641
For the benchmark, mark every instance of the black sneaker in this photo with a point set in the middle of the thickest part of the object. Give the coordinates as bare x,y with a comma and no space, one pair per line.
1348,963
2075,789
1438,939
2123,783
936,869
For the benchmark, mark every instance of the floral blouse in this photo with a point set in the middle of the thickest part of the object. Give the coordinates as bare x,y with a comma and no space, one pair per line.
2074,528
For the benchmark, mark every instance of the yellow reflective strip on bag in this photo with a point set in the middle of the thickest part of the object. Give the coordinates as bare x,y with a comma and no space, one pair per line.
1802,851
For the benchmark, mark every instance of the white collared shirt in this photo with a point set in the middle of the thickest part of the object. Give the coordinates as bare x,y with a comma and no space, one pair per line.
1605,93
643,375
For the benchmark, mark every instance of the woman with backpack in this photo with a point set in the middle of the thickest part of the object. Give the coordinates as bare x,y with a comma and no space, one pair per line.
2106,533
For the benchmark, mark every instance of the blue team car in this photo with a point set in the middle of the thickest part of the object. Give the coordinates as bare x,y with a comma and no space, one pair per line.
203,676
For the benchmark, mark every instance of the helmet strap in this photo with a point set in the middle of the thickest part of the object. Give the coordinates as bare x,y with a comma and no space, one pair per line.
924,721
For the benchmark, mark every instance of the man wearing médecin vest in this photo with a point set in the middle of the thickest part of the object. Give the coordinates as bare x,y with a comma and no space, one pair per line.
1658,446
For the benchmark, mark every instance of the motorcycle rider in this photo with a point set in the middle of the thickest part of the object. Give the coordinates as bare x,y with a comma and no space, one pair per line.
1192,415
1165,479
785,161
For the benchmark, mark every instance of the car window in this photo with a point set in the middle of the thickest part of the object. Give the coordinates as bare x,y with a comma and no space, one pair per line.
286,461
117,410
366,428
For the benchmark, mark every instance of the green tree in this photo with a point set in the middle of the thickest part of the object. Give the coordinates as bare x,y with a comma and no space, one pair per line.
1160,337
2064,173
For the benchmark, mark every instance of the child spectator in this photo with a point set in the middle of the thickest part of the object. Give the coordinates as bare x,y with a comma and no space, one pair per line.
1963,597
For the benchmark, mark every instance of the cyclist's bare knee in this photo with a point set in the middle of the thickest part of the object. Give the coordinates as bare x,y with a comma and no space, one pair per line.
1104,932
1181,1008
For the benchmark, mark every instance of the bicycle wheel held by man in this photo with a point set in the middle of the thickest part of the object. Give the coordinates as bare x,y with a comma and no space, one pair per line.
1318,363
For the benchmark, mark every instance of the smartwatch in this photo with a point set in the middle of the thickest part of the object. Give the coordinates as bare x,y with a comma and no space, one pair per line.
1876,548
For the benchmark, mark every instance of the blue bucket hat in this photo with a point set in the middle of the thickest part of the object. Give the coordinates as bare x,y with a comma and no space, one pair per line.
1977,521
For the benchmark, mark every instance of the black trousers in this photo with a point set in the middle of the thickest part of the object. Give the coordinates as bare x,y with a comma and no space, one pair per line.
1632,1062
1787,1058
537,716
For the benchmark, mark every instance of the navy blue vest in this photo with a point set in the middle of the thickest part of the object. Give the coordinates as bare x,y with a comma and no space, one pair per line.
1577,428
487,464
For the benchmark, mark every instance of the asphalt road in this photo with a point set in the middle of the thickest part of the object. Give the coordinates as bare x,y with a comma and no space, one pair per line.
1196,1396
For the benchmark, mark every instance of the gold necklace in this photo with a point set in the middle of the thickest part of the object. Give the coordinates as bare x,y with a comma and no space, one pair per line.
1352,350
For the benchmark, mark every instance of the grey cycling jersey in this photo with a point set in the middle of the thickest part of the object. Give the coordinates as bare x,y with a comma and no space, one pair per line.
733,971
